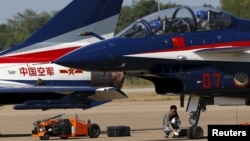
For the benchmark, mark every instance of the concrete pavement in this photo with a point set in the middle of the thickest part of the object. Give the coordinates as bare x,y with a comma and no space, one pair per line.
144,118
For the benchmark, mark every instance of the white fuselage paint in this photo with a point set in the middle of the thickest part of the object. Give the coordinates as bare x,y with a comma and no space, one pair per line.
195,55
35,71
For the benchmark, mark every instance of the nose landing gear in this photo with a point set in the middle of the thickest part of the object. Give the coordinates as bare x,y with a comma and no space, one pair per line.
196,105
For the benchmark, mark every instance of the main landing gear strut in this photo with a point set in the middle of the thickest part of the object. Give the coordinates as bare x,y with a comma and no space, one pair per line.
196,105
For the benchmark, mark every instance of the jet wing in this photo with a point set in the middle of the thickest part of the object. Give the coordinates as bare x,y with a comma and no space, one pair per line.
100,93
72,96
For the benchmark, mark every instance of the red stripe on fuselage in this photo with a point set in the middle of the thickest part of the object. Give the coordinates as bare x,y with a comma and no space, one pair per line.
44,56
240,44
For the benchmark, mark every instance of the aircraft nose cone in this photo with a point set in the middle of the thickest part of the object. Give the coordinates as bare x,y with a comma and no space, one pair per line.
68,61
86,58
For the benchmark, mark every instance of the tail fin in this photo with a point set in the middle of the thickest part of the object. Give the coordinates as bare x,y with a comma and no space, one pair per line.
99,16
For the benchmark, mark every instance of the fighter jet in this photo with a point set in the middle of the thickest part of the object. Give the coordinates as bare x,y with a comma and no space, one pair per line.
28,79
201,52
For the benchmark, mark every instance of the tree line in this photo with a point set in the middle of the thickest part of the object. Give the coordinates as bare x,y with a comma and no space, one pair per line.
22,25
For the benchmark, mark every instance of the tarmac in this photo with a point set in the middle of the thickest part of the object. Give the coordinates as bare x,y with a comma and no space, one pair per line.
143,117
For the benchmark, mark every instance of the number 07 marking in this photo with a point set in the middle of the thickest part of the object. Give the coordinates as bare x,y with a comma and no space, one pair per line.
207,77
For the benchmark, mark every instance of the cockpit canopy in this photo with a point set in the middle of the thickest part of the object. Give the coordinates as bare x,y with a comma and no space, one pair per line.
178,20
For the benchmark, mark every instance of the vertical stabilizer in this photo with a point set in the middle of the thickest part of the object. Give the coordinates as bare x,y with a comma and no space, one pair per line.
61,34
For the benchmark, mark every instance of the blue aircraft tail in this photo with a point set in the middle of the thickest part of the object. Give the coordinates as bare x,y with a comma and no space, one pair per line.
99,16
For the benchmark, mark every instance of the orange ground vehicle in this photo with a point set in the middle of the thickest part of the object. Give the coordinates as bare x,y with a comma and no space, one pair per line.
64,128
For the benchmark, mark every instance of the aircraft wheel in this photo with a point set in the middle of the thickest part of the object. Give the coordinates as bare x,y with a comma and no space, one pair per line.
189,132
94,130
45,136
197,132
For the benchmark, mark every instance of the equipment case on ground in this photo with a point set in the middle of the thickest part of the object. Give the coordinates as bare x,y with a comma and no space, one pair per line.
183,133
118,131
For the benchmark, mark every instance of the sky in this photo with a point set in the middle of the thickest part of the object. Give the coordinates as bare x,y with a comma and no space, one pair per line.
9,8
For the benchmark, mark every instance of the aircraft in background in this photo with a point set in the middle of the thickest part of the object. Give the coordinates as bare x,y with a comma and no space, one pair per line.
30,81
209,62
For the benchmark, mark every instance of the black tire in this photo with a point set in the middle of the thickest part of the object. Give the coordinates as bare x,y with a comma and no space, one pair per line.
45,136
197,132
94,130
189,132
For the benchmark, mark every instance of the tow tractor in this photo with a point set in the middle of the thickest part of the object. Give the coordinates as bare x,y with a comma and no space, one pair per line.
64,128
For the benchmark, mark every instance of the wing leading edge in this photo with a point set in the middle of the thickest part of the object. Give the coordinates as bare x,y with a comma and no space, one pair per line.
82,97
